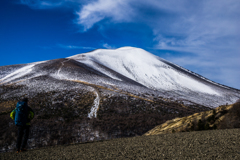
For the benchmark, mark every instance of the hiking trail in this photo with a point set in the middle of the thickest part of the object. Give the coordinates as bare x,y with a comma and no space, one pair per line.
95,106
94,109
61,68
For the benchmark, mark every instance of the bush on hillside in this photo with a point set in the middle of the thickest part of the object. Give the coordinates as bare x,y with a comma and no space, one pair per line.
236,109
232,120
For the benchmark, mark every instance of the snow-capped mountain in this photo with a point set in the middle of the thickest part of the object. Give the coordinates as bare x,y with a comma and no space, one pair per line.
144,68
127,69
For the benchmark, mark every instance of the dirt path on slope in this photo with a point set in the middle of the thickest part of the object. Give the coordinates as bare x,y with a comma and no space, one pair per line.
215,144
59,70
117,91
184,108
95,107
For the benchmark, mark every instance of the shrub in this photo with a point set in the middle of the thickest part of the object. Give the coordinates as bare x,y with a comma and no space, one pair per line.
214,126
206,126
194,124
211,118
203,117
200,125
236,109
226,123
214,112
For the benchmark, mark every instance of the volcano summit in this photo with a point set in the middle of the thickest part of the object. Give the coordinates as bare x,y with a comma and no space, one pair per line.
127,69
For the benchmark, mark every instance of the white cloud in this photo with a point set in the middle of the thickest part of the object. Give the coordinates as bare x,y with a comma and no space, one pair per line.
210,21
50,4
116,10
105,45
43,4
177,25
74,47
209,32
219,68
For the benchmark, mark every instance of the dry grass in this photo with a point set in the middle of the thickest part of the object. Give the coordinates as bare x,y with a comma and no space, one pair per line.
116,90
223,117
7,106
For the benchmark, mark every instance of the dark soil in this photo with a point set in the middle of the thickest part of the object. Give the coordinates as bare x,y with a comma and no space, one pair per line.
214,144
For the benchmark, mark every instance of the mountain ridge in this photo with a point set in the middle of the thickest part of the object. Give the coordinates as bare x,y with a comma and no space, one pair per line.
129,68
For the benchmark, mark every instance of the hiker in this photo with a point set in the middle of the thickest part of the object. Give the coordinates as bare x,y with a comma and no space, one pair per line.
22,115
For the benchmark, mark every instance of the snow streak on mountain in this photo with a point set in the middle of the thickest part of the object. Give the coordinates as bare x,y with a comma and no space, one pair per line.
128,69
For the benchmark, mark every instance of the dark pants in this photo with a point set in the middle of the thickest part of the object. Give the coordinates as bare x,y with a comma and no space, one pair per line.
23,134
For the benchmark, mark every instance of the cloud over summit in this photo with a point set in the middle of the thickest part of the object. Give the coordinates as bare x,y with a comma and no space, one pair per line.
117,10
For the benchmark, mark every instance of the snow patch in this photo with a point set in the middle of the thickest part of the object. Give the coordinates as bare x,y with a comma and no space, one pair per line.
95,106
93,65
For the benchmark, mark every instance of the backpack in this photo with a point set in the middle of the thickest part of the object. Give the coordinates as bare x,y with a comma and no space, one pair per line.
21,114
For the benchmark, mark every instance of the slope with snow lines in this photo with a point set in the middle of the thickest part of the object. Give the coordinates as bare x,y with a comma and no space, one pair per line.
126,70
144,68
20,73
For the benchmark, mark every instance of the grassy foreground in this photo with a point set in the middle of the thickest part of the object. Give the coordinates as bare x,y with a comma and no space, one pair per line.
214,144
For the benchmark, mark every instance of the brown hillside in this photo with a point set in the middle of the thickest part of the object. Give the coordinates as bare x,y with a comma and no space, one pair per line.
222,117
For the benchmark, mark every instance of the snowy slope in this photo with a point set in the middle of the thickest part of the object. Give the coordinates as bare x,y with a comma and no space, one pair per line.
19,73
127,69
144,68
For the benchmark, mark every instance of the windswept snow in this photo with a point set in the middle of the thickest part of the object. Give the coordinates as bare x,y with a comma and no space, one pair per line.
93,65
20,72
144,68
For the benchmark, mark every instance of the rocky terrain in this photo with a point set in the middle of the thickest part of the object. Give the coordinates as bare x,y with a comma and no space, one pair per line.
199,145
63,118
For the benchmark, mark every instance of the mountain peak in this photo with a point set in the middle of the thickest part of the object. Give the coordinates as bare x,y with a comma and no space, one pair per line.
127,52
125,68
128,48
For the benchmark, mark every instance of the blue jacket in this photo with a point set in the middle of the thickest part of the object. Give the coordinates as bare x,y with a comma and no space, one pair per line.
30,115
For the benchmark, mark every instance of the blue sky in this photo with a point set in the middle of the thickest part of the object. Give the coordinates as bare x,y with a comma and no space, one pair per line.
202,36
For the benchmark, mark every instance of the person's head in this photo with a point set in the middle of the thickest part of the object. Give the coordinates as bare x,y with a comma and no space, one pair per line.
25,100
